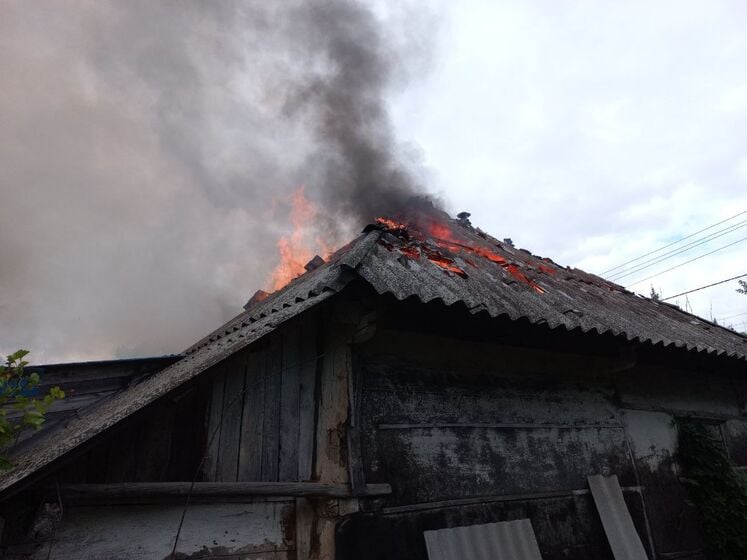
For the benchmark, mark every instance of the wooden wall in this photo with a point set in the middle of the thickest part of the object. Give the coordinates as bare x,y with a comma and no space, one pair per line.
261,416
469,432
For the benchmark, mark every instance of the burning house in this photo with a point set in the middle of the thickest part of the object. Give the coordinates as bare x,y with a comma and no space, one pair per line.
425,377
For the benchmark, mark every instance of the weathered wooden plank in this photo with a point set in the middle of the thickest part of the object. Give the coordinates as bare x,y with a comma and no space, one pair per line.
156,435
355,458
250,451
506,425
307,399
305,528
652,441
116,491
271,430
214,424
230,433
121,464
246,530
290,393
331,456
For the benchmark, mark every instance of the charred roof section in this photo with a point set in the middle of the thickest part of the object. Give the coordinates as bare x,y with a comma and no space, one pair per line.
451,262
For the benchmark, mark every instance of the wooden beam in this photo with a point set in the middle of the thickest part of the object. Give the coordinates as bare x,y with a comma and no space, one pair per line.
116,491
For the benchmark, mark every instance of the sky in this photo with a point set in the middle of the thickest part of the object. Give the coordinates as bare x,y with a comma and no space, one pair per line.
594,132
148,151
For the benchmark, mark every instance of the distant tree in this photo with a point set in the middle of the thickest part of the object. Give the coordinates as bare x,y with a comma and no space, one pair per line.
18,397
742,286
656,296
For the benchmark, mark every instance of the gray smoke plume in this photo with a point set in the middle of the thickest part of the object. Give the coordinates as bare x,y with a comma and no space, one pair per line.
148,151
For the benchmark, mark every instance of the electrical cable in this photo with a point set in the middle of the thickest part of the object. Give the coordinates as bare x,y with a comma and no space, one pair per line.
688,262
673,243
660,258
704,287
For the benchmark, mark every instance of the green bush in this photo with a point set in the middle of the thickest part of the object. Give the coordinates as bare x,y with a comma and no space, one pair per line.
718,491
17,395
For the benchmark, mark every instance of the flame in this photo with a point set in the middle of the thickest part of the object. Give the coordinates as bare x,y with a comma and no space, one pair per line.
445,238
441,232
296,249
391,224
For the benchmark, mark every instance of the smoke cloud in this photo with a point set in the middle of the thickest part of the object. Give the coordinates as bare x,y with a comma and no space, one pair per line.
148,152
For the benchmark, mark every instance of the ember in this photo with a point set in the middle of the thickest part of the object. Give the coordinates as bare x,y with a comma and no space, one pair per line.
446,239
444,262
391,224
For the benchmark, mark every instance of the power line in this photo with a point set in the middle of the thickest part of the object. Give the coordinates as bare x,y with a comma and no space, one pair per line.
688,262
732,316
660,258
704,287
673,243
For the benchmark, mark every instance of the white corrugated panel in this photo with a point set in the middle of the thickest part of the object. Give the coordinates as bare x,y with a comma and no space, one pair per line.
616,520
508,540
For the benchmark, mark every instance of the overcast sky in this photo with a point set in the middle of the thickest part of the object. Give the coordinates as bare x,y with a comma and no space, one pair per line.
594,132
145,156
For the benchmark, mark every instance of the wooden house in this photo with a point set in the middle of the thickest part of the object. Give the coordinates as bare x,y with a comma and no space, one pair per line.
416,381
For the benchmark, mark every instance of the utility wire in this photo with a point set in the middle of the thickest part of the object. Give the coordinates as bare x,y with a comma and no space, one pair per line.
660,258
704,287
688,262
732,316
673,243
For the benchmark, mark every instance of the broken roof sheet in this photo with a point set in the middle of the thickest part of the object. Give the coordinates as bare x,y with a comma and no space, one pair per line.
476,271
486,275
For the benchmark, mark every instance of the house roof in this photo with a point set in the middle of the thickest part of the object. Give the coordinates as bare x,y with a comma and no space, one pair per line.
451,263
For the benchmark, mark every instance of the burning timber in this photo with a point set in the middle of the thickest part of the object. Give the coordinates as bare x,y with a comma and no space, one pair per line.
426,376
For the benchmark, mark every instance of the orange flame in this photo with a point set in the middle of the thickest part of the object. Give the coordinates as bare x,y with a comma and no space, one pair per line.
391,224
447,239
295,249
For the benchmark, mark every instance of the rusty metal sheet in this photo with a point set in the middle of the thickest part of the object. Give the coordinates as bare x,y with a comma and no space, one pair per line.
507,540
616,520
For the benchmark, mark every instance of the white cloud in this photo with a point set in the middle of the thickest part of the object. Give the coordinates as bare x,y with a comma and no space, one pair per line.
592,132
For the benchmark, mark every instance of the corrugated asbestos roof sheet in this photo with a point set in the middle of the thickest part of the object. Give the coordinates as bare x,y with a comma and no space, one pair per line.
478,272
300,295
508,540
537,289
486,275
618,525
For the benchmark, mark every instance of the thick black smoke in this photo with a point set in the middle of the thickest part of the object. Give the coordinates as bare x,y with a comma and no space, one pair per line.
362,174
148,150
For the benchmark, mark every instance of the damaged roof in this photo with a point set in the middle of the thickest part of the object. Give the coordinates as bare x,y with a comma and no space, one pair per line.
452,263
468,267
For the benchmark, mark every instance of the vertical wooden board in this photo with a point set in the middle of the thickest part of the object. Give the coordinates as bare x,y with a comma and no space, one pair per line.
155,443
214,423
355,459
250,449
307,398
96,460
331,456
271,428
652,438
123,452
230,433
737,439
290,386
189,436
